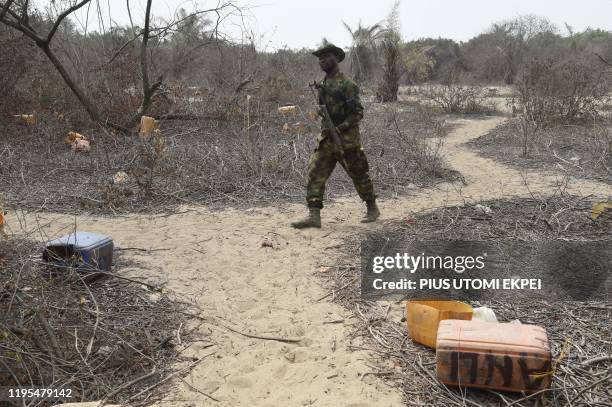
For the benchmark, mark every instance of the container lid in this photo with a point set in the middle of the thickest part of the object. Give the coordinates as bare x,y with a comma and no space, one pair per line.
80,240
475,335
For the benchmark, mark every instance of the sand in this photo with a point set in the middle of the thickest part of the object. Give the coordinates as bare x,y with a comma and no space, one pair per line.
217,259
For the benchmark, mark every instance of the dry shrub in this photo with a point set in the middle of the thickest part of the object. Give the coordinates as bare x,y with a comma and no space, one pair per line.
561,91
576,150
453,97
61,328
245,161
20,76
223,108
117,86
149,160
13,64
421,148
600,145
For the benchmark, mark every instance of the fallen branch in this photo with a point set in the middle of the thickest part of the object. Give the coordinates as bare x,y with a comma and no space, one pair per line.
608,377
170,376
51,336
603,60
127,385
597,360
96,274
339,289
263,337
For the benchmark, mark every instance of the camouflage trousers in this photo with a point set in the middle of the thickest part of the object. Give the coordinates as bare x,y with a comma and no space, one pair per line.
322,164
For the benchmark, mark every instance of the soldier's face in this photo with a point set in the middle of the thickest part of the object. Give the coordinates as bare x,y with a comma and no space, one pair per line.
328,61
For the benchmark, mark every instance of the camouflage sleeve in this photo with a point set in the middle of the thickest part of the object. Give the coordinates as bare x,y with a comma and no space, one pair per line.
354,108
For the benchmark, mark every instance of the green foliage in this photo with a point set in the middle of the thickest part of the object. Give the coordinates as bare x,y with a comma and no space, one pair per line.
419,65
586,39
364,51
431,59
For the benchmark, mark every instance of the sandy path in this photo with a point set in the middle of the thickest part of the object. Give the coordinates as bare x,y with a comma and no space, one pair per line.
217,259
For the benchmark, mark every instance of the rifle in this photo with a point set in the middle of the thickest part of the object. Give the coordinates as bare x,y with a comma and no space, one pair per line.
328,124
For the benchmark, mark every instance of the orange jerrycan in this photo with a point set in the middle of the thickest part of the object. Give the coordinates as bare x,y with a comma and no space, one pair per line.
423,317
497,356
147,126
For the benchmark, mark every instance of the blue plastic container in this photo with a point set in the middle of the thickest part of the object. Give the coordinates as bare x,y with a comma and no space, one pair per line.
84,250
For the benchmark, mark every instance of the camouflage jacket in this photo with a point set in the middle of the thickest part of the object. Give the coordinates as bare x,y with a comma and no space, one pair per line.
341,96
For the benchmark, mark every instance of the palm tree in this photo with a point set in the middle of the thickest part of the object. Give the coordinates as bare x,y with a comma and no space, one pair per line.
364,50
391,67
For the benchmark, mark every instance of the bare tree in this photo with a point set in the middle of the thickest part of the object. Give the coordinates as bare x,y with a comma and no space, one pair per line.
18,14
513,37
148,89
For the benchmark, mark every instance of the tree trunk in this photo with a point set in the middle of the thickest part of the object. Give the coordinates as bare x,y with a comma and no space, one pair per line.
94,114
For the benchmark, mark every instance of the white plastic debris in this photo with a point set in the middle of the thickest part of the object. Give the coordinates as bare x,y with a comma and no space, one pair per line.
105,350
484,314
484,209
287,110
80,146
120,177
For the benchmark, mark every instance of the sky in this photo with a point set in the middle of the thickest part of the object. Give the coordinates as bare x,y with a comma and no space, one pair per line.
297,24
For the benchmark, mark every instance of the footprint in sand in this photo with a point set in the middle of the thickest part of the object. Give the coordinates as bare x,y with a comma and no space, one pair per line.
242,382
280,372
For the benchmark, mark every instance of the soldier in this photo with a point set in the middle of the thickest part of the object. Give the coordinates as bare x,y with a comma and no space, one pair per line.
341,96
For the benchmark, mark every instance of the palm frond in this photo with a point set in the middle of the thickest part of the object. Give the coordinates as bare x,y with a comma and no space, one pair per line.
348,28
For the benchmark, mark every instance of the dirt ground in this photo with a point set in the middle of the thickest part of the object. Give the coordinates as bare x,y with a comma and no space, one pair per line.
223,261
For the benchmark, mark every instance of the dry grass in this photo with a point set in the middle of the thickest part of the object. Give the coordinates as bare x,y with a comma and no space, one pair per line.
108,338
208,158
579,151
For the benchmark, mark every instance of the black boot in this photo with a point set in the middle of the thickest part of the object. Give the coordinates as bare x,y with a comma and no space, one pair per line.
372,214
313,220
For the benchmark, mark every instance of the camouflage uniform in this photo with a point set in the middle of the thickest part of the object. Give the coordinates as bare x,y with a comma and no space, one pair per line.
341,96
